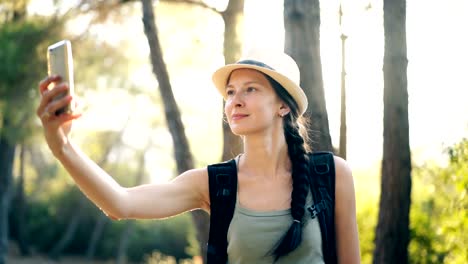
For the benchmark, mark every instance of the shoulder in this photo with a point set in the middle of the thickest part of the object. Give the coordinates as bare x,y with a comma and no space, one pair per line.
344,182
197,181
195,173
342,170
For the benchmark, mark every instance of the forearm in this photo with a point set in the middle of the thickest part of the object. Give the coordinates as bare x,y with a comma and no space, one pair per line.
93,181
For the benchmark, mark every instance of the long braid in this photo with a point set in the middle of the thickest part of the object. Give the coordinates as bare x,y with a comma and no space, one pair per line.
297,153
295,133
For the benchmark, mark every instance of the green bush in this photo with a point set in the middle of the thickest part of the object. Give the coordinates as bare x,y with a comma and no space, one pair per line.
47,220
439,219
439,206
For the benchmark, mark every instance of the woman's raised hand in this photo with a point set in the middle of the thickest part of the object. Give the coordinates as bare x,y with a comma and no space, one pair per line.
56,127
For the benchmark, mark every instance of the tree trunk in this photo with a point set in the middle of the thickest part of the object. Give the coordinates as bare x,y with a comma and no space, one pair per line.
20,211
343,143
233,18
70,231
182,151
41,167
129,225
124,241
392,232
7,155
171,110
96,235
302,42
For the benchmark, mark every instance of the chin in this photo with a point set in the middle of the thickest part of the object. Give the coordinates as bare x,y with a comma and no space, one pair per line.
243,130
238,132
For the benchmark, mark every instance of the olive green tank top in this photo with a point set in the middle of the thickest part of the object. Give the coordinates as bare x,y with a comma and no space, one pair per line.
253,234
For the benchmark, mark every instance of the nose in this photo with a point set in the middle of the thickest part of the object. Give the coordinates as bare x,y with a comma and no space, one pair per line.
236,100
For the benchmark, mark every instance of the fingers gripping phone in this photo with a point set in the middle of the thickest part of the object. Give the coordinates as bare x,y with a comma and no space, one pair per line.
60,62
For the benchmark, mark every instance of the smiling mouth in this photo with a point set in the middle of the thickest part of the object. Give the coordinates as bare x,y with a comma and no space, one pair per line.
238,117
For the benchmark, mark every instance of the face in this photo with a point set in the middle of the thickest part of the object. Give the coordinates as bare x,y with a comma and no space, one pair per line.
251,105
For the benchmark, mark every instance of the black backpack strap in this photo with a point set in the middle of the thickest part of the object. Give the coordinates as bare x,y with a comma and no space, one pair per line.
322,184
223,191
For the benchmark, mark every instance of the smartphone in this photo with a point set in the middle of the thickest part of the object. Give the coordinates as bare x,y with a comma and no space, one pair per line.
60,62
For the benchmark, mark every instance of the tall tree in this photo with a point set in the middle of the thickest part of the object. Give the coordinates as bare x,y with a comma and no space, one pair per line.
22,42
182,152
233,18
96,234
70,231
302,42
343,141
7,153
392,233
19,200
7,142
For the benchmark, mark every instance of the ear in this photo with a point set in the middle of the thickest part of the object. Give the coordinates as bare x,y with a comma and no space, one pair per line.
284,109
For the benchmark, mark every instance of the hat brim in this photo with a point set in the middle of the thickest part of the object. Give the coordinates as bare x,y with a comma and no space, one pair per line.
220,78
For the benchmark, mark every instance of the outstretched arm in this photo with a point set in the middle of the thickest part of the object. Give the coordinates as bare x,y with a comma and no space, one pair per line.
186,192
347,240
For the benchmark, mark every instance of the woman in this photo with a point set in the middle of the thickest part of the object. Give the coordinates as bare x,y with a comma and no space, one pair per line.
264,105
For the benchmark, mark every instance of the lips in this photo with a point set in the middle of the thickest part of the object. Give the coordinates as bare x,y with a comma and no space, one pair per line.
238,116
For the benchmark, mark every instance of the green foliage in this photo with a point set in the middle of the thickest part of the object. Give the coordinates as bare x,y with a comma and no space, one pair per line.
51,208
55,211
367,221
23,46
367,186
438,211
439,218
39,218
171,237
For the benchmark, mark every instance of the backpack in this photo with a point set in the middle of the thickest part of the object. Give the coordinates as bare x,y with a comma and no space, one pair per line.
223,191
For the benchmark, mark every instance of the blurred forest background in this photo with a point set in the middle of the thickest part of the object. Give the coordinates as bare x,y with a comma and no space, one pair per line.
386,86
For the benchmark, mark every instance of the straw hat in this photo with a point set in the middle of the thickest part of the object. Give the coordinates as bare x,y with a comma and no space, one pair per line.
278,65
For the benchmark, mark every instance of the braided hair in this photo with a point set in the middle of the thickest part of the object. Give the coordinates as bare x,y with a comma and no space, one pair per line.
295,131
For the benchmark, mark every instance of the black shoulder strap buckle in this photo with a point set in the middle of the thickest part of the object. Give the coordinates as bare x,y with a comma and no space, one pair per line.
317,208
322,184
320,162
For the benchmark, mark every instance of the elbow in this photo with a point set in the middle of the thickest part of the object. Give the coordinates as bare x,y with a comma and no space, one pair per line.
113,217
116,217
118,209
115,214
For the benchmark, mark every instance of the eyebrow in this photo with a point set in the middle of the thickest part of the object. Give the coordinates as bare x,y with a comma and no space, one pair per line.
246,83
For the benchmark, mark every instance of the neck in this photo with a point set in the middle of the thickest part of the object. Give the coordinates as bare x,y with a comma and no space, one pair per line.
265,156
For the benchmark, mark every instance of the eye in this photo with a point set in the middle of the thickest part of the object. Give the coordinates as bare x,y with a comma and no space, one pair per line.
251,89
229,92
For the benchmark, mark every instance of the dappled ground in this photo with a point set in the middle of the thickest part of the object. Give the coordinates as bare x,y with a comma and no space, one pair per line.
44,260
37,259
15,258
